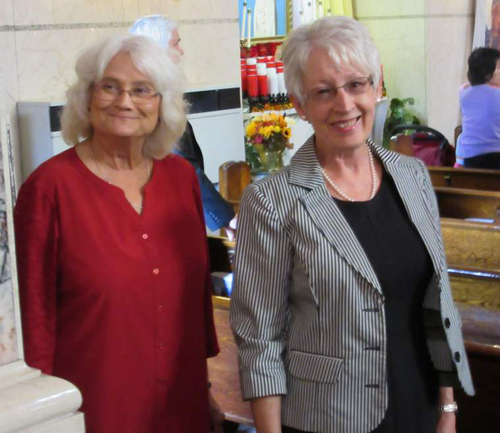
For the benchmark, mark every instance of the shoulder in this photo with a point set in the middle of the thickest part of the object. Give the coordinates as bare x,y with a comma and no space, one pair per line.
56,170
274,193
175,165
174,162
270,185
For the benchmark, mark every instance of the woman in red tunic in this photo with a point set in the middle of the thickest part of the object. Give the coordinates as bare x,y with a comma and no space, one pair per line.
111,245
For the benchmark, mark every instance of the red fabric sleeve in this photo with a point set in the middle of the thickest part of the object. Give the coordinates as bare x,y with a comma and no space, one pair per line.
211,336
35,219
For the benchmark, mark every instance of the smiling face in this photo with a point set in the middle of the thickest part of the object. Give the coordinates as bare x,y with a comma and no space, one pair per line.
121,117
344,121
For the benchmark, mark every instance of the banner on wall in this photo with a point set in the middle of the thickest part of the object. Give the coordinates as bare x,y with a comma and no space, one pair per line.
487,24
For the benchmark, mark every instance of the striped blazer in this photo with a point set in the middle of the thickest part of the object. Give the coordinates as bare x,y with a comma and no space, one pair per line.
306,302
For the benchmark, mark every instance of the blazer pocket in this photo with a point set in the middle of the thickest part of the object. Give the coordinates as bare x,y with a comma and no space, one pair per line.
315,368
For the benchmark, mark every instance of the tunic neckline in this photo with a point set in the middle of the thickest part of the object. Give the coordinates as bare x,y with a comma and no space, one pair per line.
115,191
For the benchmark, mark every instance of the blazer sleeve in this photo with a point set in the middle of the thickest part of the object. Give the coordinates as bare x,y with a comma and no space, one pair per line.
259,306
446,369
37,233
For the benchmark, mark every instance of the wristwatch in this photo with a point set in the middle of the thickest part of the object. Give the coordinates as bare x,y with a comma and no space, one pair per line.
452,407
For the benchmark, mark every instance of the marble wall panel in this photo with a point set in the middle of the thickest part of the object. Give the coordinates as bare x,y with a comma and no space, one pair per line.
211,54
449,41
31,12
9,92
189,9
8,338
401,44
46,60
450,7
387,8
6,13
8,96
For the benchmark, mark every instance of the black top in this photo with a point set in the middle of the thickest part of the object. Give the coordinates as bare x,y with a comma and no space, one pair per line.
404,270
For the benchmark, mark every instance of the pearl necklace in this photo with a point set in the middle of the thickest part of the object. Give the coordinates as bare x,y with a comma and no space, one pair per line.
137,206
374,180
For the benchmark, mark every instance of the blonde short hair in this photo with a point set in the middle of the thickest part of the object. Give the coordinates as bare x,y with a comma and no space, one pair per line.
152,60
344,39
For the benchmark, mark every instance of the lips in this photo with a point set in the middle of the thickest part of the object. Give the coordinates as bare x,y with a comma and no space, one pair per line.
123,117
346,125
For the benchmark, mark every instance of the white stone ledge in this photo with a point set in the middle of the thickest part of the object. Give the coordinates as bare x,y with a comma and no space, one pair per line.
34,402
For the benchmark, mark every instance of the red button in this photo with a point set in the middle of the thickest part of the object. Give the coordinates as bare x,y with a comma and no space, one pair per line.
156,271
145,236
160,308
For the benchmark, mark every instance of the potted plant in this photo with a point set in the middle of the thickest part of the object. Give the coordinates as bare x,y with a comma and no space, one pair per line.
399,114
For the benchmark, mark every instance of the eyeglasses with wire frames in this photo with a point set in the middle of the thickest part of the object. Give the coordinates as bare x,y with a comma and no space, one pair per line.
140,94
355,87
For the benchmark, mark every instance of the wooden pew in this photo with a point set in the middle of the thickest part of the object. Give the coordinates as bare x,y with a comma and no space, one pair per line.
233,178
468,178
481,329
223,369
475,288
471,244
468,203
402,144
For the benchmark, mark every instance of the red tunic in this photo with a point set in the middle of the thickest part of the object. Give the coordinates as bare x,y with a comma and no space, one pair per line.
115,302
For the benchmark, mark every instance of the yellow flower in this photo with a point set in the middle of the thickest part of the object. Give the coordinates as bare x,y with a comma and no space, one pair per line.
266,131
251,129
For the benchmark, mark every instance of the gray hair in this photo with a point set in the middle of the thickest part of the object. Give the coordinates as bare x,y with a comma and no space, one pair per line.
157,27
151,60
344,39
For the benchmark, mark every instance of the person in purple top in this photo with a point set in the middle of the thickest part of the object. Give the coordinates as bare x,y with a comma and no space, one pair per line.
479,144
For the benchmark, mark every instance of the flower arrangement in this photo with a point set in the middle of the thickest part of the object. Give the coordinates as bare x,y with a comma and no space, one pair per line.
267,137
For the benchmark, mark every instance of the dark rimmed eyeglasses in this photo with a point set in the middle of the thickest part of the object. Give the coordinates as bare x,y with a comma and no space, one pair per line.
355,87
142,94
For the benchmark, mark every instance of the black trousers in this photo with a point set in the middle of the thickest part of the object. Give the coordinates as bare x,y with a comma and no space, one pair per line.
487,160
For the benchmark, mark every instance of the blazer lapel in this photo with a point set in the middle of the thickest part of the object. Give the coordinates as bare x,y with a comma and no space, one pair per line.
326,215
409,185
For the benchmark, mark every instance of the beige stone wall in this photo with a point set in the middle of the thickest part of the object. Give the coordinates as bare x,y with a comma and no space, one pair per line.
40,40
449,31
424,45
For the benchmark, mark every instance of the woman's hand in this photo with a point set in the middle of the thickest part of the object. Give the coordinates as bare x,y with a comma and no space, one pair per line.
447,423
231,228
216,414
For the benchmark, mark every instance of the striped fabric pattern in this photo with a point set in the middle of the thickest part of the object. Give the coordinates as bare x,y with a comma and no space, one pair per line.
307,307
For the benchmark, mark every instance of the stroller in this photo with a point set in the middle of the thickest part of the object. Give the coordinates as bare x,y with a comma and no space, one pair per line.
429,145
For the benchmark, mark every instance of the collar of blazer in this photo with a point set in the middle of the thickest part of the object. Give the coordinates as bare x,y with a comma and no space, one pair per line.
408,174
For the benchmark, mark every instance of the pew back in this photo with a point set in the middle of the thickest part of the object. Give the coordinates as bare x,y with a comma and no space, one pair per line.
468,203
468,178
471,245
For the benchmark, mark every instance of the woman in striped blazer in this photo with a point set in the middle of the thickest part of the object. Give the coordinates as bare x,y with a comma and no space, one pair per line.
341,306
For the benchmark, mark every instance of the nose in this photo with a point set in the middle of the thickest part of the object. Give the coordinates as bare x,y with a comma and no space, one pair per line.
342,101
124,100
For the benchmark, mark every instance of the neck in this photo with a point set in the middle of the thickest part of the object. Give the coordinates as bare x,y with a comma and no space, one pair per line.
118,153
338,160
